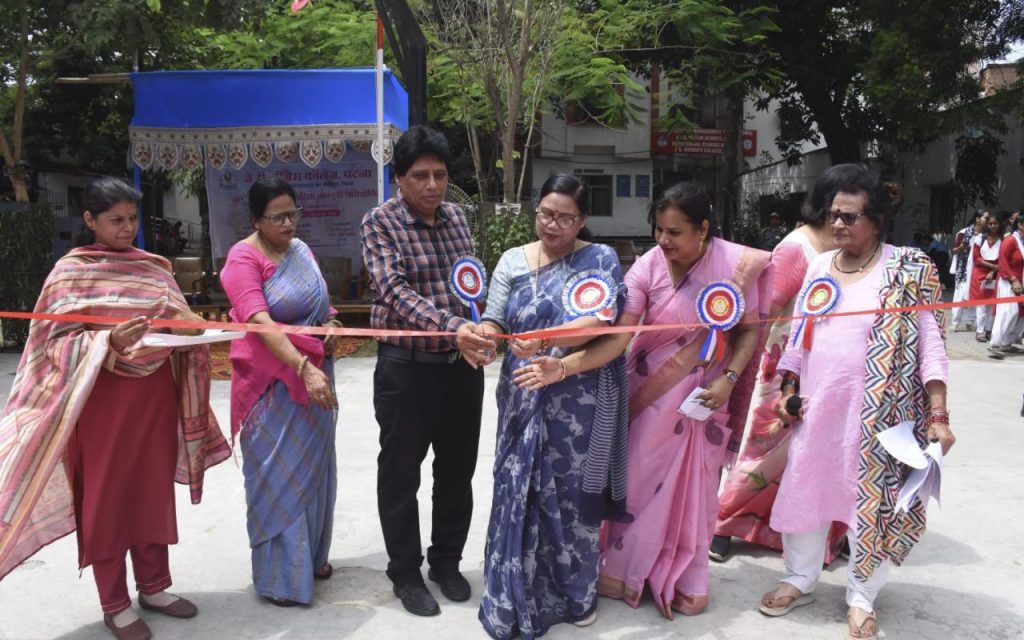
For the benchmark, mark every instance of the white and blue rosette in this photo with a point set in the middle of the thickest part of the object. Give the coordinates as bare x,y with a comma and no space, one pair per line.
589,293
468,281
720,307
818,298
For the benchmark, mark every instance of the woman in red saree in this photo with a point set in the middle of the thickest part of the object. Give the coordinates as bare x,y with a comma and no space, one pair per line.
674,461
97,428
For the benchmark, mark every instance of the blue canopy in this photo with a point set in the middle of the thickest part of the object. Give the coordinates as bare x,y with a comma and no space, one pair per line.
234,116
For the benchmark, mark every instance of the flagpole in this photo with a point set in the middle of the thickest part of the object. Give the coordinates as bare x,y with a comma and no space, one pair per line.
380,110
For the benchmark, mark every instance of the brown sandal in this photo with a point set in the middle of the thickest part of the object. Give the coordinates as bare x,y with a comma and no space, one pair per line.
866,630
324,572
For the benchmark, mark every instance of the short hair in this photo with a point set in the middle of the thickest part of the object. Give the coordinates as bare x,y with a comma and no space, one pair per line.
263,191
691,199
417,142
852,179
104,193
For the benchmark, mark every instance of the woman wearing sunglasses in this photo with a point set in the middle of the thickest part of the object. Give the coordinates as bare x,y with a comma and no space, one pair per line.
859,375
282,398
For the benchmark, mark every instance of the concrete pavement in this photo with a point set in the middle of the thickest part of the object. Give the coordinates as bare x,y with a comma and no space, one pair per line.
963,581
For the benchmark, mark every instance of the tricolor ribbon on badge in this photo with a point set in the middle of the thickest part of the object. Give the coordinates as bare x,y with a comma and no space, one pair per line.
589,293
468,281
819,297
719,308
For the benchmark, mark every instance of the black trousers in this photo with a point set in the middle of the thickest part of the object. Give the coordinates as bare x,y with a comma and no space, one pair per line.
419,406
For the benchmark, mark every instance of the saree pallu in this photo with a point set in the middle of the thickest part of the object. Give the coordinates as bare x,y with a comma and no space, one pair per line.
893,393
56,374
747,496
288,450
560,456
675,461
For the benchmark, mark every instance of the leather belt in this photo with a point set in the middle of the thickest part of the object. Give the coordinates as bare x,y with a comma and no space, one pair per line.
422,357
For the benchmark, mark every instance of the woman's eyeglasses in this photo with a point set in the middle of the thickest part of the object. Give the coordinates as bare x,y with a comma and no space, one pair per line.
563,220
848,219
291,216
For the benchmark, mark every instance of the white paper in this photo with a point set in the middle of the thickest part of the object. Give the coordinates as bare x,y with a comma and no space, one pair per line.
925,479
693,407
206,337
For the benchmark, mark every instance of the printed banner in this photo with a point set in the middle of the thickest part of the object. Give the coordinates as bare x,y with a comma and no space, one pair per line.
334,197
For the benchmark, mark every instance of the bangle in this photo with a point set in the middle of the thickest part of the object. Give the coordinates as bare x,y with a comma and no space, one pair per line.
936,417
562,362
302,365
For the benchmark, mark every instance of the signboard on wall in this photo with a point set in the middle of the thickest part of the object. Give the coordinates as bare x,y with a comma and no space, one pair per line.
701,141
334,197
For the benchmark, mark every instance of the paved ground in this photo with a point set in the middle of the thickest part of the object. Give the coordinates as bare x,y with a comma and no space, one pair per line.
964,581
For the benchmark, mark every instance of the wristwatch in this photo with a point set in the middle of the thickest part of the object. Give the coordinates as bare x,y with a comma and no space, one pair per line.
731,376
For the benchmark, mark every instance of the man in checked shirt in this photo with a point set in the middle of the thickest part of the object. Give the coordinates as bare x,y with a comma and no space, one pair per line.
427,391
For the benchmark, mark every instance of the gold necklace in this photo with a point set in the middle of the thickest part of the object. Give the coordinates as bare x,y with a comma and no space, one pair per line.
535,273
835,260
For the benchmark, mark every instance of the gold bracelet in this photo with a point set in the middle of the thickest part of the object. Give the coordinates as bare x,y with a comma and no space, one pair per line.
562,362
544,344
302,365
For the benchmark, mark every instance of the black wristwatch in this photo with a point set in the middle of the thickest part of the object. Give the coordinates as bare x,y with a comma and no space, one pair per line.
731,376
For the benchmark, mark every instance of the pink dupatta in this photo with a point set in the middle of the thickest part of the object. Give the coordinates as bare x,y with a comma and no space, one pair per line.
56,373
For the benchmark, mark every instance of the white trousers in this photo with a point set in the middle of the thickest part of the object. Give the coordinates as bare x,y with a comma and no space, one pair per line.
1006,326
804,555
962,314
985,317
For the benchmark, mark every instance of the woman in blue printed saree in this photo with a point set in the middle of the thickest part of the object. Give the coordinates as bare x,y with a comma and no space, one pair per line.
282,399
560,455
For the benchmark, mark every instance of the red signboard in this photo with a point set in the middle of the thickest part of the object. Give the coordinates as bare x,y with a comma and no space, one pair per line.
750,144
706,141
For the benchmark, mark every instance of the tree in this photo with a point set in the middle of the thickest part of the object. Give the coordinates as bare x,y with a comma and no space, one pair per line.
894,71
80,37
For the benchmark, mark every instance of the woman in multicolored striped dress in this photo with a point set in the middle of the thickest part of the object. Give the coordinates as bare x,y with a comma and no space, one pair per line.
98,427
893,369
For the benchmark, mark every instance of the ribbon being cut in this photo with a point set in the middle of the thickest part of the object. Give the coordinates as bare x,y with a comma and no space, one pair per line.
468,280
818,299
720,308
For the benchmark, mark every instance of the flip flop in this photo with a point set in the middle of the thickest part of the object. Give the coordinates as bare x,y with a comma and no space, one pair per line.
853,627
794,602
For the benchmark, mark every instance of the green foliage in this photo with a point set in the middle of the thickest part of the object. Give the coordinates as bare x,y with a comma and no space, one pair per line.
26,251
500,232
326,33
892,71
977,169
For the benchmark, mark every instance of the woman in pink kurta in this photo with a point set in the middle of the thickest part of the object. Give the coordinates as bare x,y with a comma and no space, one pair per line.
746,499
858,376
674,461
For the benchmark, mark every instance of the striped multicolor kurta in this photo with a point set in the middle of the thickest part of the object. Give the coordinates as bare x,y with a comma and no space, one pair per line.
58,368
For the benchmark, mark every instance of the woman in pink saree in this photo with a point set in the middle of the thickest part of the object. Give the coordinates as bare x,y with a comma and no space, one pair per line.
674,460
746,499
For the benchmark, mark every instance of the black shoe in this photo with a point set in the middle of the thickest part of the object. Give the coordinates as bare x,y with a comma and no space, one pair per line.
720,546
453,585
417,599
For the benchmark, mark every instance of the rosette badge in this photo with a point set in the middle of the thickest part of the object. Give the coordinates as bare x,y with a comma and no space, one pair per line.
588,293
468,281
818,298
720,308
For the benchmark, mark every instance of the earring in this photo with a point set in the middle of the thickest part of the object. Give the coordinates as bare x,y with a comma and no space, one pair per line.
701,244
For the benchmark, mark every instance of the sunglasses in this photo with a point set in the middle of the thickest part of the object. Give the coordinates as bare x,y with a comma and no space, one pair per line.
848,219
